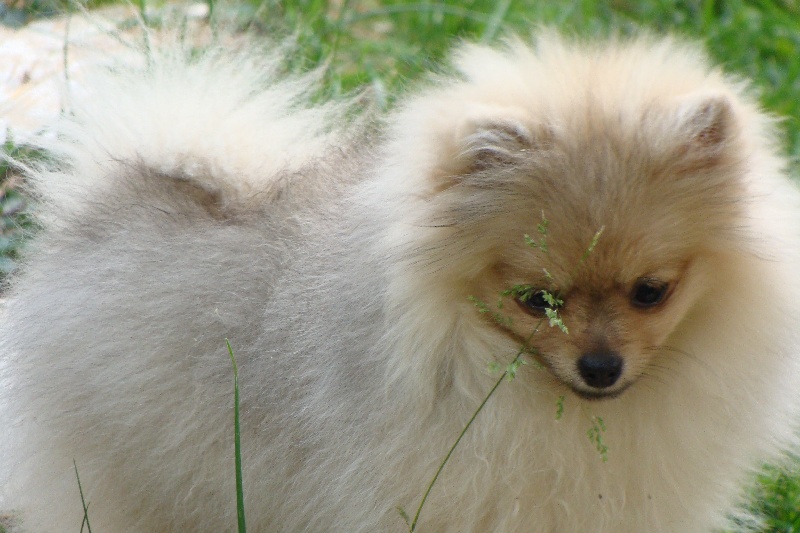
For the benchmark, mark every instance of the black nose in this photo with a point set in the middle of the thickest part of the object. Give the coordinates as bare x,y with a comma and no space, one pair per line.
600,370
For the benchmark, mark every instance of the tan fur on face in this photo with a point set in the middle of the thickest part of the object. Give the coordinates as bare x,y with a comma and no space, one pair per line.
599,315
649,217
661,168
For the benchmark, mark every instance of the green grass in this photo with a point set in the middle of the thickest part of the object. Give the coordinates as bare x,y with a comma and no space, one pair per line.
8,523
381,47
776,498
237,446
15,222
388,44
85,523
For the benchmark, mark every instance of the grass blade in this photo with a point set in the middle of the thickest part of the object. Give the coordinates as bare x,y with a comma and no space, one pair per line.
83,501
237,444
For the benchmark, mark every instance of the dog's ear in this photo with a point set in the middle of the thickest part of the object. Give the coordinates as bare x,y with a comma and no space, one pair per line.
506,139
706,125
494,143
446,143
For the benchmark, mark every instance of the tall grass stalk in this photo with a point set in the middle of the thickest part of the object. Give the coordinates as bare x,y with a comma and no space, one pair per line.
237,447
143,10
85,521
510,371
505,375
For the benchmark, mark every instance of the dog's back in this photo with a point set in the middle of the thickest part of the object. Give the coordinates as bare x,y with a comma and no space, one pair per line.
158,182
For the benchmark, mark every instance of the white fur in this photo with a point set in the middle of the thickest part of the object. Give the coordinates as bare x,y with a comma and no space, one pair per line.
189,204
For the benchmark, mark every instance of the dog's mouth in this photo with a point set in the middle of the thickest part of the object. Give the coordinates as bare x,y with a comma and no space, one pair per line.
599,394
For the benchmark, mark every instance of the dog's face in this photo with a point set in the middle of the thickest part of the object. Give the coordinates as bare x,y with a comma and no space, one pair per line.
619,142
636,206
618,314
628,221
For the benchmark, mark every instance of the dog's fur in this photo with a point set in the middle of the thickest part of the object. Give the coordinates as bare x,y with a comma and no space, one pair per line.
187,204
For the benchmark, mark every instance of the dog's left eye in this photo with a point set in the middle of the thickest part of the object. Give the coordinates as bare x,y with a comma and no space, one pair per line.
649,292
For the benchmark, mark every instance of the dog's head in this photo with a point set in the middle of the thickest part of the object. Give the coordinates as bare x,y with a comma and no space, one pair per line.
596,186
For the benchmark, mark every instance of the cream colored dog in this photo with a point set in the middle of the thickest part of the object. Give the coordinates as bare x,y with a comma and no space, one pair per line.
186,203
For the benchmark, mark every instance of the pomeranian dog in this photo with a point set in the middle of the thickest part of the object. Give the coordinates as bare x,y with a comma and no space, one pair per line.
377,278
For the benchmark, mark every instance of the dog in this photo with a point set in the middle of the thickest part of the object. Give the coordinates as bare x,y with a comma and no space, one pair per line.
598,239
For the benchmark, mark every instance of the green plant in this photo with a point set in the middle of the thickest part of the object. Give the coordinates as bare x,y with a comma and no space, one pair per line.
509,372
15,221
775,499
85,521
237,445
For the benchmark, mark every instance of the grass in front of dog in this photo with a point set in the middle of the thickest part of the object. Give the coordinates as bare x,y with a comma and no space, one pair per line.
776,498
237,445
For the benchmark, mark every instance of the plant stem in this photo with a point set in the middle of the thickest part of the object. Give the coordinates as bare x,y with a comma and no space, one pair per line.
237,447
83,501
455,444
522,351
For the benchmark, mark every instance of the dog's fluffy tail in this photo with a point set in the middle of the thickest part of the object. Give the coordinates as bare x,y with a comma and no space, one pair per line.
222,127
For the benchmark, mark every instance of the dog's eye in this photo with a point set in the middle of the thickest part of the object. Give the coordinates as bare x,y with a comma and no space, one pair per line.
536,301
649,293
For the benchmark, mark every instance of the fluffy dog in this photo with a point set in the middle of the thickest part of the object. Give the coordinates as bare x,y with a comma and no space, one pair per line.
356,269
